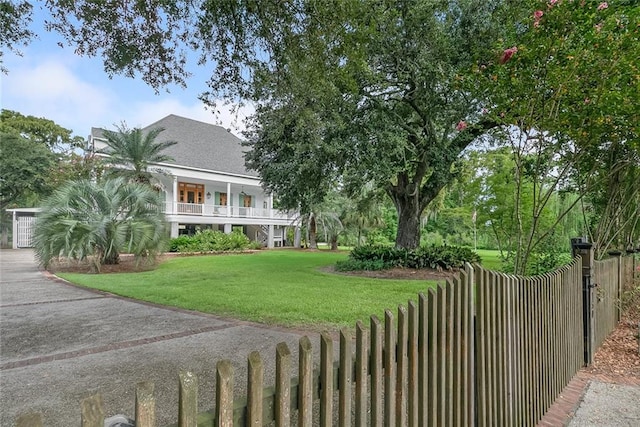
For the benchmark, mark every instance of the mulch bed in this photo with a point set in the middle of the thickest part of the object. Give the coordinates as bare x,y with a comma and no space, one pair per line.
618,360
127,264
397,273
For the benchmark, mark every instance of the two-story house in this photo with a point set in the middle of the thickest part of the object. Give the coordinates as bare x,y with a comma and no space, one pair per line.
207,186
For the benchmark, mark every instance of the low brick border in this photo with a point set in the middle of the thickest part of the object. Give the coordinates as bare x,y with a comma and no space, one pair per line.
565,406
110,347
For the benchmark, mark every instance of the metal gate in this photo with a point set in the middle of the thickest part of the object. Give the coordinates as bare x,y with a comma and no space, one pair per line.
25,230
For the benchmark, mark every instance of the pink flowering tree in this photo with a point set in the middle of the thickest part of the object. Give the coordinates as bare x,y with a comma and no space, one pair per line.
569,79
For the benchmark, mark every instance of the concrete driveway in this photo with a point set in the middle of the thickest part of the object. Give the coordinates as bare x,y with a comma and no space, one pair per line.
60,344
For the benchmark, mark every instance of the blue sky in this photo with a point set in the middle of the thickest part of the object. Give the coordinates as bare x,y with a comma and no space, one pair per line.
52,82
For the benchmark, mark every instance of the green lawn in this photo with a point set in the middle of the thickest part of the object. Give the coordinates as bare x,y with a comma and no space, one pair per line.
281,287
490,259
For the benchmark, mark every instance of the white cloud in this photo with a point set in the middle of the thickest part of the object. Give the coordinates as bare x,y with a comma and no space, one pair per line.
147,112
50,89
78,95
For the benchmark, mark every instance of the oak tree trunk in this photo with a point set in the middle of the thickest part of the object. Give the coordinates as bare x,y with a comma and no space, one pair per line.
409,212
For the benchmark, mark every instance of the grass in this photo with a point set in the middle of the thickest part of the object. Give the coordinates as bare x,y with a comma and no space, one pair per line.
490,259
283,287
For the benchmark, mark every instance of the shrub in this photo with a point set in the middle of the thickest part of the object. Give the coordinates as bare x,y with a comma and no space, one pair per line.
376,257
211,241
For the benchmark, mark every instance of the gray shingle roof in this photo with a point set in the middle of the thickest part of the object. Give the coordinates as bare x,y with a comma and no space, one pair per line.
200,145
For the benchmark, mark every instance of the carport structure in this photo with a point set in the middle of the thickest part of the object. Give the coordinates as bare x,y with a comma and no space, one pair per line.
23,222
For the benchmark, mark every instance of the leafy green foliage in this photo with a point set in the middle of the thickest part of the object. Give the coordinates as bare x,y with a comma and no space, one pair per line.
40,131
15,17
370,257
88,219
211,241
24,169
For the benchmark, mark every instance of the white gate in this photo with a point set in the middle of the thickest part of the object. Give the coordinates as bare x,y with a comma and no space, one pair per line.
25,230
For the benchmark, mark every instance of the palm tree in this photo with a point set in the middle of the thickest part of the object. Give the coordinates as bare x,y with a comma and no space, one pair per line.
88,219
132,151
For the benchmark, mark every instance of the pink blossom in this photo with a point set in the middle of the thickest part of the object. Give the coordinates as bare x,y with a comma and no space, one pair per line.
536,24
552,3
538,14
462,125
603,5
587,100
507,54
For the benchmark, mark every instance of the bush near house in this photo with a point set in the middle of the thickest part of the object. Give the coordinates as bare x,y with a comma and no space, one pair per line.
372,257
213,241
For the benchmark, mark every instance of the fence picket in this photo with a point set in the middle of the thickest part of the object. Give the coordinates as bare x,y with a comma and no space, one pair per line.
377,406
482,382
305,385
389,362
448,351
92,411
457,362
326,380
345,377
362,358
255,385
412,368
283,385
423,360
145,405
441,372
402,370
431,358
188,400
224,394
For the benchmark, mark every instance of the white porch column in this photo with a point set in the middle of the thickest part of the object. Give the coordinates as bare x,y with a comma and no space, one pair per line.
297,237
228,205
270,205
175,197
227,228
174,230
14,239
270,237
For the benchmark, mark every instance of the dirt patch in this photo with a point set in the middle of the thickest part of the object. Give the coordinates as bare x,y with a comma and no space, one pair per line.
397,273
127,264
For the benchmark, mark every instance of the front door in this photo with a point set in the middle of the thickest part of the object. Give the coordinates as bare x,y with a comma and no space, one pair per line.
192,194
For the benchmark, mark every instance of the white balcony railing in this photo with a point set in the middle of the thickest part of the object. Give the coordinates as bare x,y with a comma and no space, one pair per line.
225,211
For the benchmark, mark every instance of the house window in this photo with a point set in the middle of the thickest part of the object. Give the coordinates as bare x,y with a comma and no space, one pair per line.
190,193
220,199
246,201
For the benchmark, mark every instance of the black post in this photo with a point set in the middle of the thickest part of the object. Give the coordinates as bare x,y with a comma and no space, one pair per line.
581,247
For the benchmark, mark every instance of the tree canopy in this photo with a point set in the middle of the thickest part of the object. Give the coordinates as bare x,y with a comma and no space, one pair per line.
24,169
390,93
40,131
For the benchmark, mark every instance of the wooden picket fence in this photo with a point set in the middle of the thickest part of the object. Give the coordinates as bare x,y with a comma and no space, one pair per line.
485,349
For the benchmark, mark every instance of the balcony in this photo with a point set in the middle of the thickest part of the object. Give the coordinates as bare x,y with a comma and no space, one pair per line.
194,209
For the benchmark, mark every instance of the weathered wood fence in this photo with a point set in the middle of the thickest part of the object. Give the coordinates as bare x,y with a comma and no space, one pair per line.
485,349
